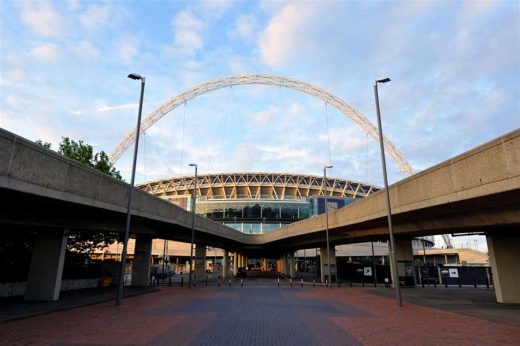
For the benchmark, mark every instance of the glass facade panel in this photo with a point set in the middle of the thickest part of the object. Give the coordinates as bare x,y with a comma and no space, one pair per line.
257,216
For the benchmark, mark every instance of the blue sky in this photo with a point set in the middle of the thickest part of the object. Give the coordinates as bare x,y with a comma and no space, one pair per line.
455,69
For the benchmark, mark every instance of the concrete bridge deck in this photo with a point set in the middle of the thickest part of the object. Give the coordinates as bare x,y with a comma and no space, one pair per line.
477,191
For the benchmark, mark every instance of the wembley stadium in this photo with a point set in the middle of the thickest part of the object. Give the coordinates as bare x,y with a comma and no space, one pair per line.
257,203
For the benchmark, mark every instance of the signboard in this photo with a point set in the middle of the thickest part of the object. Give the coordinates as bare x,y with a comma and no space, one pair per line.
367,271
333,205
454,273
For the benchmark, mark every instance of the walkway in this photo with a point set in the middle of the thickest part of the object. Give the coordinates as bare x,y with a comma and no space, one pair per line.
260,313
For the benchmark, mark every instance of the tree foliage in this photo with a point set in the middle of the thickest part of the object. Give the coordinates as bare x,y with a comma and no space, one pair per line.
80,241
84,153
44,144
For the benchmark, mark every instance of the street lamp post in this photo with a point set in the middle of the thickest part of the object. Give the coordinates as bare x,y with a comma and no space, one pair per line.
119,296
327,220
193,205
374,265
393,260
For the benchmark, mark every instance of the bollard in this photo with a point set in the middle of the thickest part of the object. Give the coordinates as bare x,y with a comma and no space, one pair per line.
241,282
290,282
350,282
278,281
182,281
487,283
363,281
422,281
229,282
301,282
206,281
435,283
170,281
313,283
218,282
327,283
474,282
460,284
446,283
339,283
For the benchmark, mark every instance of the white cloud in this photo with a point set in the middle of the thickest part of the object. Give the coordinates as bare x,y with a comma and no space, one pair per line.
73,5
187,35
127,47
86,50
246,26
283,36
45,51
187,20
264,117
95,16
42,18
17,75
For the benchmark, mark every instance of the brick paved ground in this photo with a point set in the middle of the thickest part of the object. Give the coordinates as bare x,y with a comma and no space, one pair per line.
257,315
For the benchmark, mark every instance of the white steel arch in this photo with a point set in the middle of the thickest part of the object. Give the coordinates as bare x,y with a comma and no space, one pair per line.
245,79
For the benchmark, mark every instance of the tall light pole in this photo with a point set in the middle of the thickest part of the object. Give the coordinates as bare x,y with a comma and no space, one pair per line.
193,205
327,220
393,260
119,296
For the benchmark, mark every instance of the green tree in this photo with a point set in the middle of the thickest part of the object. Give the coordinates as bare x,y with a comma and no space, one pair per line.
44,144
84,153
87,242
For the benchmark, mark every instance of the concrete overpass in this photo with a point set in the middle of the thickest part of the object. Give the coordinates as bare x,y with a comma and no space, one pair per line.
477,191
46,192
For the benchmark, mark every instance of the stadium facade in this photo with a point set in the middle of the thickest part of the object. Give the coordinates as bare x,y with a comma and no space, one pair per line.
258,203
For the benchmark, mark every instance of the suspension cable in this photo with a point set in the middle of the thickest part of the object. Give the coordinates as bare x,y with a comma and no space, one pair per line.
200,140
366,161
286,122
144,154
240,121
182,141
161,156
328,132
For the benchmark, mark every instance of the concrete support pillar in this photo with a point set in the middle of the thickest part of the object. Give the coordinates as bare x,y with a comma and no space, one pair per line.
141,264
404,257
225,264
200,262
324,263
264,264
504,257
235,263
292,269
48,257
287,264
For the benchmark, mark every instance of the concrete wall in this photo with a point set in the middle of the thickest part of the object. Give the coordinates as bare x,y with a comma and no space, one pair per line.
13,289
27,167
423,203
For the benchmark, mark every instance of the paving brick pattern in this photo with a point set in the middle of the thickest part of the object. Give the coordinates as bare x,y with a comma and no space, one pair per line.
266,315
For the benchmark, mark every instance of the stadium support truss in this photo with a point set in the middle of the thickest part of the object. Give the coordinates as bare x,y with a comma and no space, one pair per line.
245,79
257,186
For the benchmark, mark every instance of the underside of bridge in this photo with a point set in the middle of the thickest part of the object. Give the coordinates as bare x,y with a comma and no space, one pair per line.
477,191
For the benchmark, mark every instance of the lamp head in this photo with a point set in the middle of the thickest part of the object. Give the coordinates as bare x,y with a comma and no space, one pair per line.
329,166
383,80
135,76
193,164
